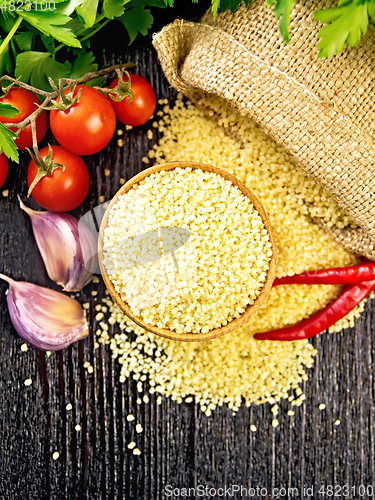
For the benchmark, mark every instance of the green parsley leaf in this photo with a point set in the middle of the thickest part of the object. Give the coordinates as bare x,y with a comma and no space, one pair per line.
222,5
283,9
49,68
114,8
6,20
24,40
371,10
344,24
83,64
158,3
49,43
8,110
38,66
215,7
68,7
137,20
7,143
234,4
51,23
26,62
87,11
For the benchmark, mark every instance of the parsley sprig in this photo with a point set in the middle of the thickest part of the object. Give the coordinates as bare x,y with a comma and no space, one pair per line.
344,24
61,24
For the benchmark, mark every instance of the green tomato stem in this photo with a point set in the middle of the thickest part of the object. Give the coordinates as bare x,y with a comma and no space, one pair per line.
8,38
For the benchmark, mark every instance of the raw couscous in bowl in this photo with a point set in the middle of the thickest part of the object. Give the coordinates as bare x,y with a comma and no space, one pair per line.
187,251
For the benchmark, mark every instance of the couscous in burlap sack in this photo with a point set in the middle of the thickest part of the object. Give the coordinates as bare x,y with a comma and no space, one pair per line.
321,110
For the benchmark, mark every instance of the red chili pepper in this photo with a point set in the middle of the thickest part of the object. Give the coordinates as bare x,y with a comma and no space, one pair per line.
334,276
350,297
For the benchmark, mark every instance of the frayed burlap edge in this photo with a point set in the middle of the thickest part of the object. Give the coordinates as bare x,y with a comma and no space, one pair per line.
199,60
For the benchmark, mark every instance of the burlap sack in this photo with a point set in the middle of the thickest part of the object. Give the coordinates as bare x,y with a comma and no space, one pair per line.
321,110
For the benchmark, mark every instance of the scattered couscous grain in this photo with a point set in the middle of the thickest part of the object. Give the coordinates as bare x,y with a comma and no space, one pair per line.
28,382
94,293
253,428
78,427
145,160
139,401
24,347
69,406
5,193
120,132
55,455
122,181
131,445
107,172
337,422
101,199
138,428
90,369
136,451
128,127
48,353
96,280
130,418
235,368
120,143
322,406
146,399
150,134
86,305
275,422
86,364
159,400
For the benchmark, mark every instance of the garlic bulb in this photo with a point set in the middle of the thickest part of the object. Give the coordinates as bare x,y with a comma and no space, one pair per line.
45,319
68,248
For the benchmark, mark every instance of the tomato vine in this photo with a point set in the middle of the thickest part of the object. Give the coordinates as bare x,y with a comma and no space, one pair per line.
7,136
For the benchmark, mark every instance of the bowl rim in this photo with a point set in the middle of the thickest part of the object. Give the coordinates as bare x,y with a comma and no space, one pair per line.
249,311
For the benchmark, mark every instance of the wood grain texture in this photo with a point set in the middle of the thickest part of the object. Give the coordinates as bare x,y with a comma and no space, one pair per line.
180,446
249,311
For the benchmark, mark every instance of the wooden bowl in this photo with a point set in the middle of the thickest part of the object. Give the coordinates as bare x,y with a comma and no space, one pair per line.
249,311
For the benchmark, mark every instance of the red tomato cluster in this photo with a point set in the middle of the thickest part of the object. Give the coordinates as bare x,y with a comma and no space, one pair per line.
85,128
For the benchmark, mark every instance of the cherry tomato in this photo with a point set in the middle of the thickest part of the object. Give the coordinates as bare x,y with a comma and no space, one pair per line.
86,127
3,168
26,103
65,189
141,108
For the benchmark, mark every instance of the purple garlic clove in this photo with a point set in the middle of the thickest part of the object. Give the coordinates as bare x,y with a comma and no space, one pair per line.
66,247
45,319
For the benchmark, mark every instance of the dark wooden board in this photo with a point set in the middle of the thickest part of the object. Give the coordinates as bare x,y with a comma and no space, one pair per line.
181,447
